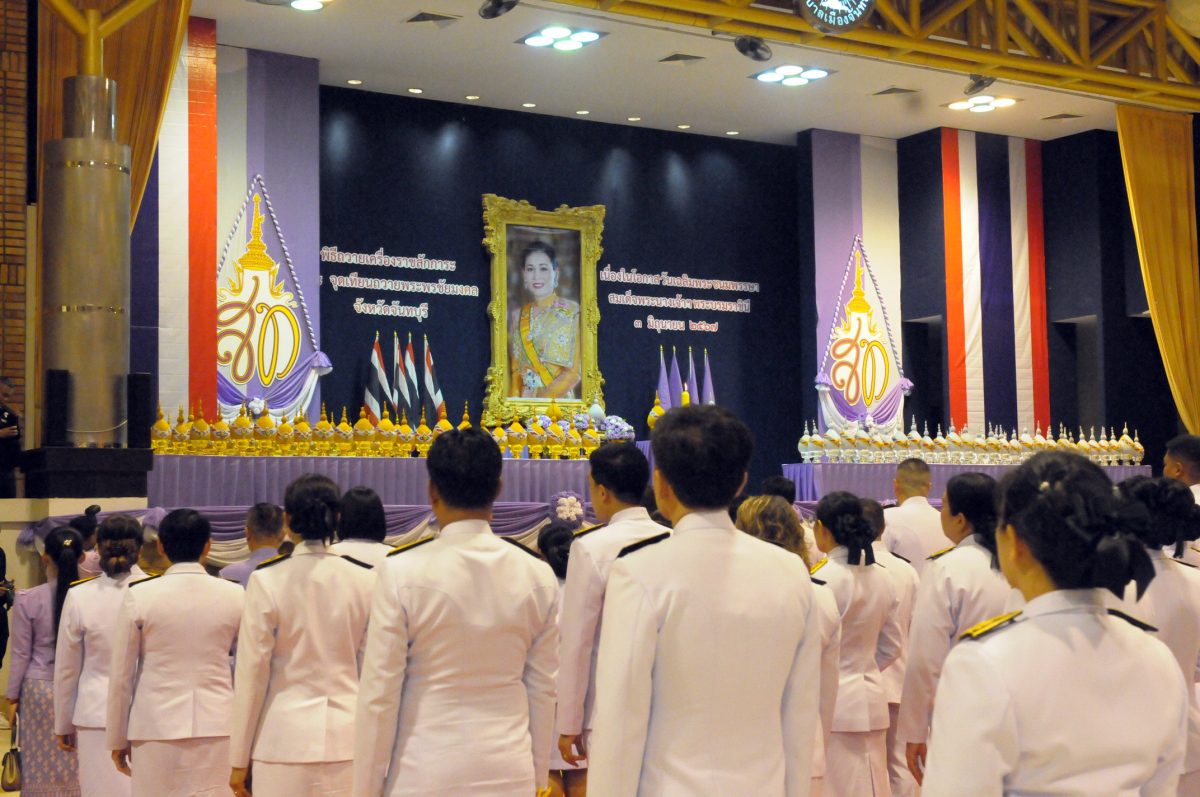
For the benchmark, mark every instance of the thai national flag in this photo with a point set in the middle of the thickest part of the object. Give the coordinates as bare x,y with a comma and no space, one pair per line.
377,394
400,397
433,393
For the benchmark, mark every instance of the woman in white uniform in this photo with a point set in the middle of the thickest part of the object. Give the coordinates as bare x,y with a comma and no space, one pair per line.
856,753
1172,601
303,628
81,664
961,587
1064,697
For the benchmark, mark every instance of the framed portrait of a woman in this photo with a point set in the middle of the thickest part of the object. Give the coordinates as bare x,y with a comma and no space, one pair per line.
543,308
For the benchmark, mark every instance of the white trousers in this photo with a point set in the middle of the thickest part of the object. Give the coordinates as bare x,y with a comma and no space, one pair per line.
181,768
98,776
319,779
903,784
856,765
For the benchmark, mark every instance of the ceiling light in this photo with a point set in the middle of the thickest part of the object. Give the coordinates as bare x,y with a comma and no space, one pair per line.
497,8
1004,102
983,99
471,97
567,45
633,119
770,76
561,37
684,127
354,82
788,70
556,32
528,105
582,113
982,108
585,36
961,105
753,48
731,132
795,81
416,91
814,73
539,41
978,83
307,5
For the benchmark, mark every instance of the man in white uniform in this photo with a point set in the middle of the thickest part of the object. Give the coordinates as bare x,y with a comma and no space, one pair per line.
708,676
457,692
170,691
619,474
1182,463
914,528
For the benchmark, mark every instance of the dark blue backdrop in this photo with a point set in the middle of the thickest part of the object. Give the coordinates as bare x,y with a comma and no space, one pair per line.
408,175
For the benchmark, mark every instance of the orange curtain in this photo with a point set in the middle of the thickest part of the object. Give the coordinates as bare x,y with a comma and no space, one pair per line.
1156,149
140,57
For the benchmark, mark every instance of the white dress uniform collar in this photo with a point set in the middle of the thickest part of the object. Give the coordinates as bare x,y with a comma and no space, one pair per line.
466,527
632,513
839,554
917,500
311,548
186,568
706,520
1066,600
971,541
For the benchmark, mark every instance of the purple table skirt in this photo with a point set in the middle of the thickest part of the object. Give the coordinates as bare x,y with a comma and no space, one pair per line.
207,481
814,480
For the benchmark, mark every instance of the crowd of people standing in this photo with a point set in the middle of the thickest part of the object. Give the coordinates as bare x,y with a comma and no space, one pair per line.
1036,636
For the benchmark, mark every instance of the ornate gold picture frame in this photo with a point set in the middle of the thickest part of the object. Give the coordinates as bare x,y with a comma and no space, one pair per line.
543,308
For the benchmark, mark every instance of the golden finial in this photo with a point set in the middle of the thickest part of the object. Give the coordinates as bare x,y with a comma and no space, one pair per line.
685,398
858,302
554,412
345,418
466,419
256,251
656,411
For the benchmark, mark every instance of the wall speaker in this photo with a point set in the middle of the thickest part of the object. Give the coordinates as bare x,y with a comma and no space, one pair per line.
140,394
56,408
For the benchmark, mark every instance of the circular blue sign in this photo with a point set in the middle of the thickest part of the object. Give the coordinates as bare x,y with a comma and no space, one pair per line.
835,16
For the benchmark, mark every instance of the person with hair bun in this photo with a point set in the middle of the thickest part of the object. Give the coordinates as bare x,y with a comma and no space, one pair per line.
872,639
1172,601
81,664
1065,697
362,527
87,524
37,613
303,629
960,587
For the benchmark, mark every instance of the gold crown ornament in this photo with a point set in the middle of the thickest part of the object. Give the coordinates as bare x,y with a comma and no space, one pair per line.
500,436
264,433
424,436
405,438
516,438
364,434
242,432
199,437
219,436
592,438
343,436
574,443
323,435
181,433
160,433
285,436
535,438
443,425
301,435
385,436
656,411
556,440
465,423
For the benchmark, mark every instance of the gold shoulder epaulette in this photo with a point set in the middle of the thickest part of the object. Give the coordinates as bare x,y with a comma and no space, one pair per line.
142,580
409,546
84,580
818,565
988,626
527,550
589,529
942,552
274,560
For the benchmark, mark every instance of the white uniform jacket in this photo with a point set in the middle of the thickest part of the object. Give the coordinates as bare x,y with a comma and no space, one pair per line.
369,552
592,556
959,589
1065,700
905,579
296,681
84,650
169,676
914,530
826,617
705,682
1172,605
457,692
871,639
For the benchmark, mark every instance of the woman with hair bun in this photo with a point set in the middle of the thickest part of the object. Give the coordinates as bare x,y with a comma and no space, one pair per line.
1065,697
959,588
303,626
45,769
81,664
1172,601
856,760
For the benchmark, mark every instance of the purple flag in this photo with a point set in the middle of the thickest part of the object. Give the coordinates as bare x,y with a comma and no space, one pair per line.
676,383
693,382
664,385
710,395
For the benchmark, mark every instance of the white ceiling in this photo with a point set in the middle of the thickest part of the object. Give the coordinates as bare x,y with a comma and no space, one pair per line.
619,76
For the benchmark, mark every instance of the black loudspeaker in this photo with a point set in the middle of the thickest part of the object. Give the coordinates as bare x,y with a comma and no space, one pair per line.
56,408
140,396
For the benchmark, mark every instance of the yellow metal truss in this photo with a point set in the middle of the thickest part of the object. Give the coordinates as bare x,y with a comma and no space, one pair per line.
1128,50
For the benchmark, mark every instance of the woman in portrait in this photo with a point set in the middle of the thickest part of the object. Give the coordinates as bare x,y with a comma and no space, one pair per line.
544,355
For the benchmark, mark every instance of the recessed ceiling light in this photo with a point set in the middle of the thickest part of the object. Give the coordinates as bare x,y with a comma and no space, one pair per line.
770,76
354,82
539,41
556,32
731,133
983,108
982,99
582,113
567,45
814,73
788,70
416,91
528,105
684,127
795,81
1004,102
307,5
633,119
585,36
961,105
471,97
